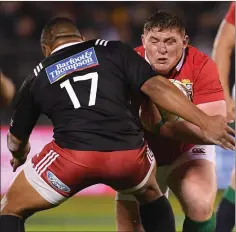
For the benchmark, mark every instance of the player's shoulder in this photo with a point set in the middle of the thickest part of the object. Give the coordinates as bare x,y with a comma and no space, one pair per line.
106,43
140,50
197,58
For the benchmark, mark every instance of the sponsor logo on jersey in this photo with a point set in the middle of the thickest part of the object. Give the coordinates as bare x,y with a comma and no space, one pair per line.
57,183
198,151
83,60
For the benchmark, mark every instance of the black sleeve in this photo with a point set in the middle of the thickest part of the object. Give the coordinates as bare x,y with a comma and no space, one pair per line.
137,69
26,113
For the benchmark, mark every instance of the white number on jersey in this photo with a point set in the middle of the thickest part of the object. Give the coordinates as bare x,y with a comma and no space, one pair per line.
93,91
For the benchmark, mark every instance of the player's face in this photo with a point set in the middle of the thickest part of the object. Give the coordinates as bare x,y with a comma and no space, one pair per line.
164,49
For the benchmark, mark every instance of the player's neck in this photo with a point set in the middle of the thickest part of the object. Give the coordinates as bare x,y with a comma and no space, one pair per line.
65,42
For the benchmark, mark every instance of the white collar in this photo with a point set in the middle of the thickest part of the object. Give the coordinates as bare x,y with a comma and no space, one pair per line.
181,62
64,46
178,66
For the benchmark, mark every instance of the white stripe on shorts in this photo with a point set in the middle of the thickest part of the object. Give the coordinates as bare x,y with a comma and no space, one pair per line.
44,158
46,166
46,162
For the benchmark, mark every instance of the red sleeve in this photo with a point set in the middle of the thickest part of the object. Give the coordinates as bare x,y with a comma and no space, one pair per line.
207,86
230,16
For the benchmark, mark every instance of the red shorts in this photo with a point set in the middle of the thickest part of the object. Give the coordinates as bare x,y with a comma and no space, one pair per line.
58,173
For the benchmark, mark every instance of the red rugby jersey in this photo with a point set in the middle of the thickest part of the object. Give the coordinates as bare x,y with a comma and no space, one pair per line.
230,16
200,75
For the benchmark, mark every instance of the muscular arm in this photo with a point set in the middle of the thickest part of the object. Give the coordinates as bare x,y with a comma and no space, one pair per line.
186,131
165,95
23,121
223,47
7,90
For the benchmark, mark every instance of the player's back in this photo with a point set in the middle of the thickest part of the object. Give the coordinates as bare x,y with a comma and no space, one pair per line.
84,91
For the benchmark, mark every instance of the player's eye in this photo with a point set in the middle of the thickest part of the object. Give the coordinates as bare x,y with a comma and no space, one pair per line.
154,41
170,42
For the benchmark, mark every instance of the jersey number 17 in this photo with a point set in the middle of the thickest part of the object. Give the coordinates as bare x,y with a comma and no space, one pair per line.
93,90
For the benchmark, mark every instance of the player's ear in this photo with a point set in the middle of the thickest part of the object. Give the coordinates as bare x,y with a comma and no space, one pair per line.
143,41
46,50
185,41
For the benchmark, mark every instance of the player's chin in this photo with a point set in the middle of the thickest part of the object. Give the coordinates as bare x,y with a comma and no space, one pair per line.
163,69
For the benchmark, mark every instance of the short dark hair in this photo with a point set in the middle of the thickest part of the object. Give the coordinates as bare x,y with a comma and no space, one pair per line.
58,21
59,27
164,20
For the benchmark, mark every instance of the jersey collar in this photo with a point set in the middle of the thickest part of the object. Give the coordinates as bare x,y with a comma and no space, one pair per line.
64,46
178,66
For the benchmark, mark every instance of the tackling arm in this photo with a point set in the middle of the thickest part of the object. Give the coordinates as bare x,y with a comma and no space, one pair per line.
189,133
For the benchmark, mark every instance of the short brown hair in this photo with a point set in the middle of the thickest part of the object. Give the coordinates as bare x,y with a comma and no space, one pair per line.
164,20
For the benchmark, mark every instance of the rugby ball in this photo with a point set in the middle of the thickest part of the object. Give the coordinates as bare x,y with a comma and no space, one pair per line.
167,116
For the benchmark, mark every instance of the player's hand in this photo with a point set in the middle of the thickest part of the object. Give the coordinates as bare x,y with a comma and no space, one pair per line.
17,162
19,157
230,105
218,132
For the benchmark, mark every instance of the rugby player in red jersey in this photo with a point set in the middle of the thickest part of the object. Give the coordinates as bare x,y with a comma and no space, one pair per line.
222,51
187,168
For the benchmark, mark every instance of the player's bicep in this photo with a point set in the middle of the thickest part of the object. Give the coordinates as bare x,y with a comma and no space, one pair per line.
25,115
137,69
207,86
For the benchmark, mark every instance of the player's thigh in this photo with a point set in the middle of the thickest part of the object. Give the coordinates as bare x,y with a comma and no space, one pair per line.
194,184
50,178
22,199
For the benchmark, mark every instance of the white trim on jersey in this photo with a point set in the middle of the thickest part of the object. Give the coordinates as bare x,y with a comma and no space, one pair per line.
35,73
101,42
105,44
97,41
38,69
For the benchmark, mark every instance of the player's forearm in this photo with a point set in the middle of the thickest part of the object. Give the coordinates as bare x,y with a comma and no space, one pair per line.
17,147
165,95
183,131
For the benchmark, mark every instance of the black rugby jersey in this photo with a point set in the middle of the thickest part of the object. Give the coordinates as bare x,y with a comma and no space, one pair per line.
85,90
